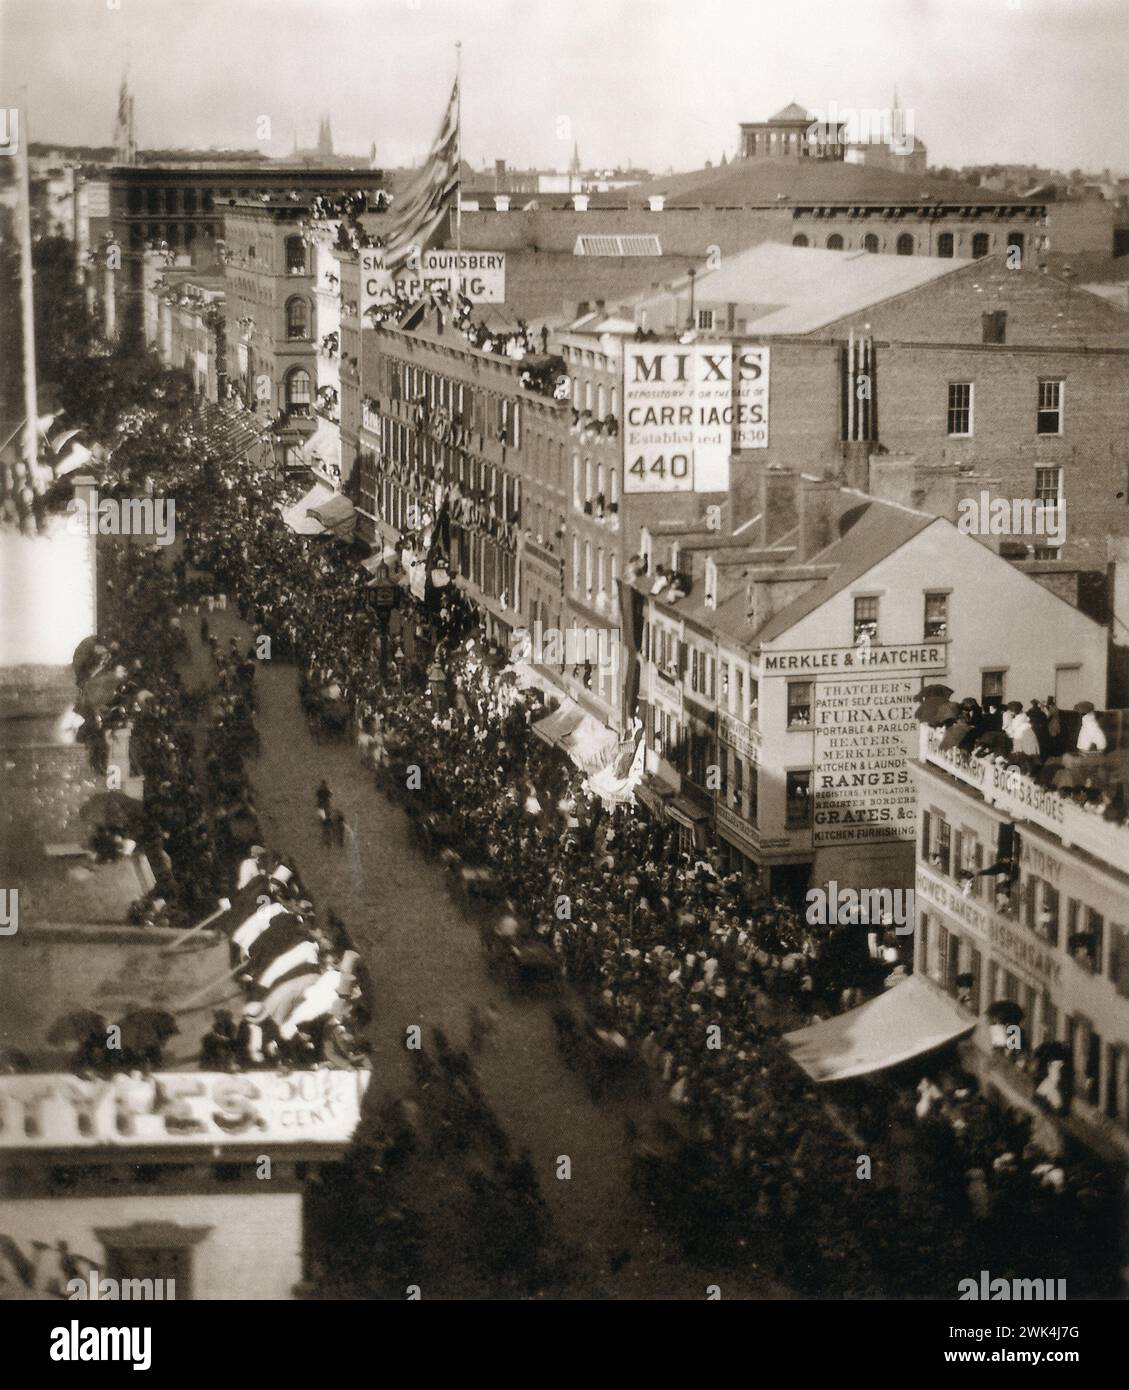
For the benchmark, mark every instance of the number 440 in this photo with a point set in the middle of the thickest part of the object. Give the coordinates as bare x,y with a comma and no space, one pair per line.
679,466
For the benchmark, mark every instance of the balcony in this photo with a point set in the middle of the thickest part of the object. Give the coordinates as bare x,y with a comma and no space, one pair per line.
1022,798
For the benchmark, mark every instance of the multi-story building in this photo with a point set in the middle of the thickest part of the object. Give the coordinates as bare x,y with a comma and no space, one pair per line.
182,207
780,678
990,381
443,422
269,304
1051,937
823,202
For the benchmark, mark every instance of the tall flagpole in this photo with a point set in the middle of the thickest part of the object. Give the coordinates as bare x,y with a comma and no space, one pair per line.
27,304
459,164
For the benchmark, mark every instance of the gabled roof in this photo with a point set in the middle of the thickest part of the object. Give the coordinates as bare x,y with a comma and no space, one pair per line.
878,530
792,112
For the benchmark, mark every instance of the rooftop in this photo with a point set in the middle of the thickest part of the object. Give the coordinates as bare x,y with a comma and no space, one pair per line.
771,182
793,289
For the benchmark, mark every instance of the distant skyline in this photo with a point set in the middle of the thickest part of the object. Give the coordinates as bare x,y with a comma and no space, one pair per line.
658,83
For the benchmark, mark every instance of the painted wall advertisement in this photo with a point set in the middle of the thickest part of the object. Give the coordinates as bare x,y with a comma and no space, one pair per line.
483,276
687,407
52,1111
864,734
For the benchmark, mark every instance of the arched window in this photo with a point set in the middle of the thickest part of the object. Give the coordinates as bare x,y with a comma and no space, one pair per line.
799,239
297,318
834,242
298,392
905,244
295,256
945,244
870,243
980,244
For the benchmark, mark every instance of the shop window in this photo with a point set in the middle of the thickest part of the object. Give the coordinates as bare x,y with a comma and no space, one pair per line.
936,616
797,799
799,704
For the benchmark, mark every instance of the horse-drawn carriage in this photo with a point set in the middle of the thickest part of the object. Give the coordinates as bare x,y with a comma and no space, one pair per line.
325,708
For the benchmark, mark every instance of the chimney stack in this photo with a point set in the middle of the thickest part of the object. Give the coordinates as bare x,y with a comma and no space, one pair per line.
778,510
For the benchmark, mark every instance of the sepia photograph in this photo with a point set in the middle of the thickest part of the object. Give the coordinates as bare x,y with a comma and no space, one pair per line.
564,667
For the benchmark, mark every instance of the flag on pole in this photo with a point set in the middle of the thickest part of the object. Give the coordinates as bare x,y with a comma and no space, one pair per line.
417,216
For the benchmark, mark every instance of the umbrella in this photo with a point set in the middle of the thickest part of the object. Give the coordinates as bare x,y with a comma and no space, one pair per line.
994,741
940,691
935,709
88,656
1083,707
1052,1051
76,1026
99,691
955,735
144,1030
114,810
1005,1011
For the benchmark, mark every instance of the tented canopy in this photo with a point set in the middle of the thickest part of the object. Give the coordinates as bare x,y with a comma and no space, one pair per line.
561,721
616,783
337,514
590,744
298,516
907,1021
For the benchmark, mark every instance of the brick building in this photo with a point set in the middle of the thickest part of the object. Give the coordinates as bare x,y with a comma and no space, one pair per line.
183,206
269,306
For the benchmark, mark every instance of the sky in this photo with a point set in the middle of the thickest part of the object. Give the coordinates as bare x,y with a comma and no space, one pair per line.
660,83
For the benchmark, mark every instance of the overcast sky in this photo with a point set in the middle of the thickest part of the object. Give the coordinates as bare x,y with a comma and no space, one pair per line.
662,83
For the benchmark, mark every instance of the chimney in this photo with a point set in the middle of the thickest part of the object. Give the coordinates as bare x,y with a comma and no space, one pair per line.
581,308
778,504
600,305
499,168
821,505
501,202
655,201
580,202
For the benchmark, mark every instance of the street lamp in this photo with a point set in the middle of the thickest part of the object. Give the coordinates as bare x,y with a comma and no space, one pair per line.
693,275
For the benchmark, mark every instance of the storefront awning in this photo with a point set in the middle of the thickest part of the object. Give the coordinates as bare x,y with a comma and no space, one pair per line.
298,516
654,793
560,722
590,745
337,514
615,784
907,1021
686,812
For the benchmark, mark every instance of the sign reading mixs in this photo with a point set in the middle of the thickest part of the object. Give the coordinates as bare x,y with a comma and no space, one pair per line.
483,276
54,1111
687,407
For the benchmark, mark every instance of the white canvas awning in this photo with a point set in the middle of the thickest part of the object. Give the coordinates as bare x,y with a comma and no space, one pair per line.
590,745
297,517
907,1021
559,722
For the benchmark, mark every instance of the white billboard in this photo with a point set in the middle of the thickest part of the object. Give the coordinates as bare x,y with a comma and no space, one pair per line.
687,407
483,275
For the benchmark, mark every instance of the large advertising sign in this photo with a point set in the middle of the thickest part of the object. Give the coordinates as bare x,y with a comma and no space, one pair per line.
483,276
169,1109
687,407
864,735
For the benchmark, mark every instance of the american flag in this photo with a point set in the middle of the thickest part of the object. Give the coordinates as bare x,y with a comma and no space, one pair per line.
416,217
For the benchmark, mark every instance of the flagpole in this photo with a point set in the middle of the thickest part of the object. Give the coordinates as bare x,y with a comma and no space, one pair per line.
459,165
27,304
